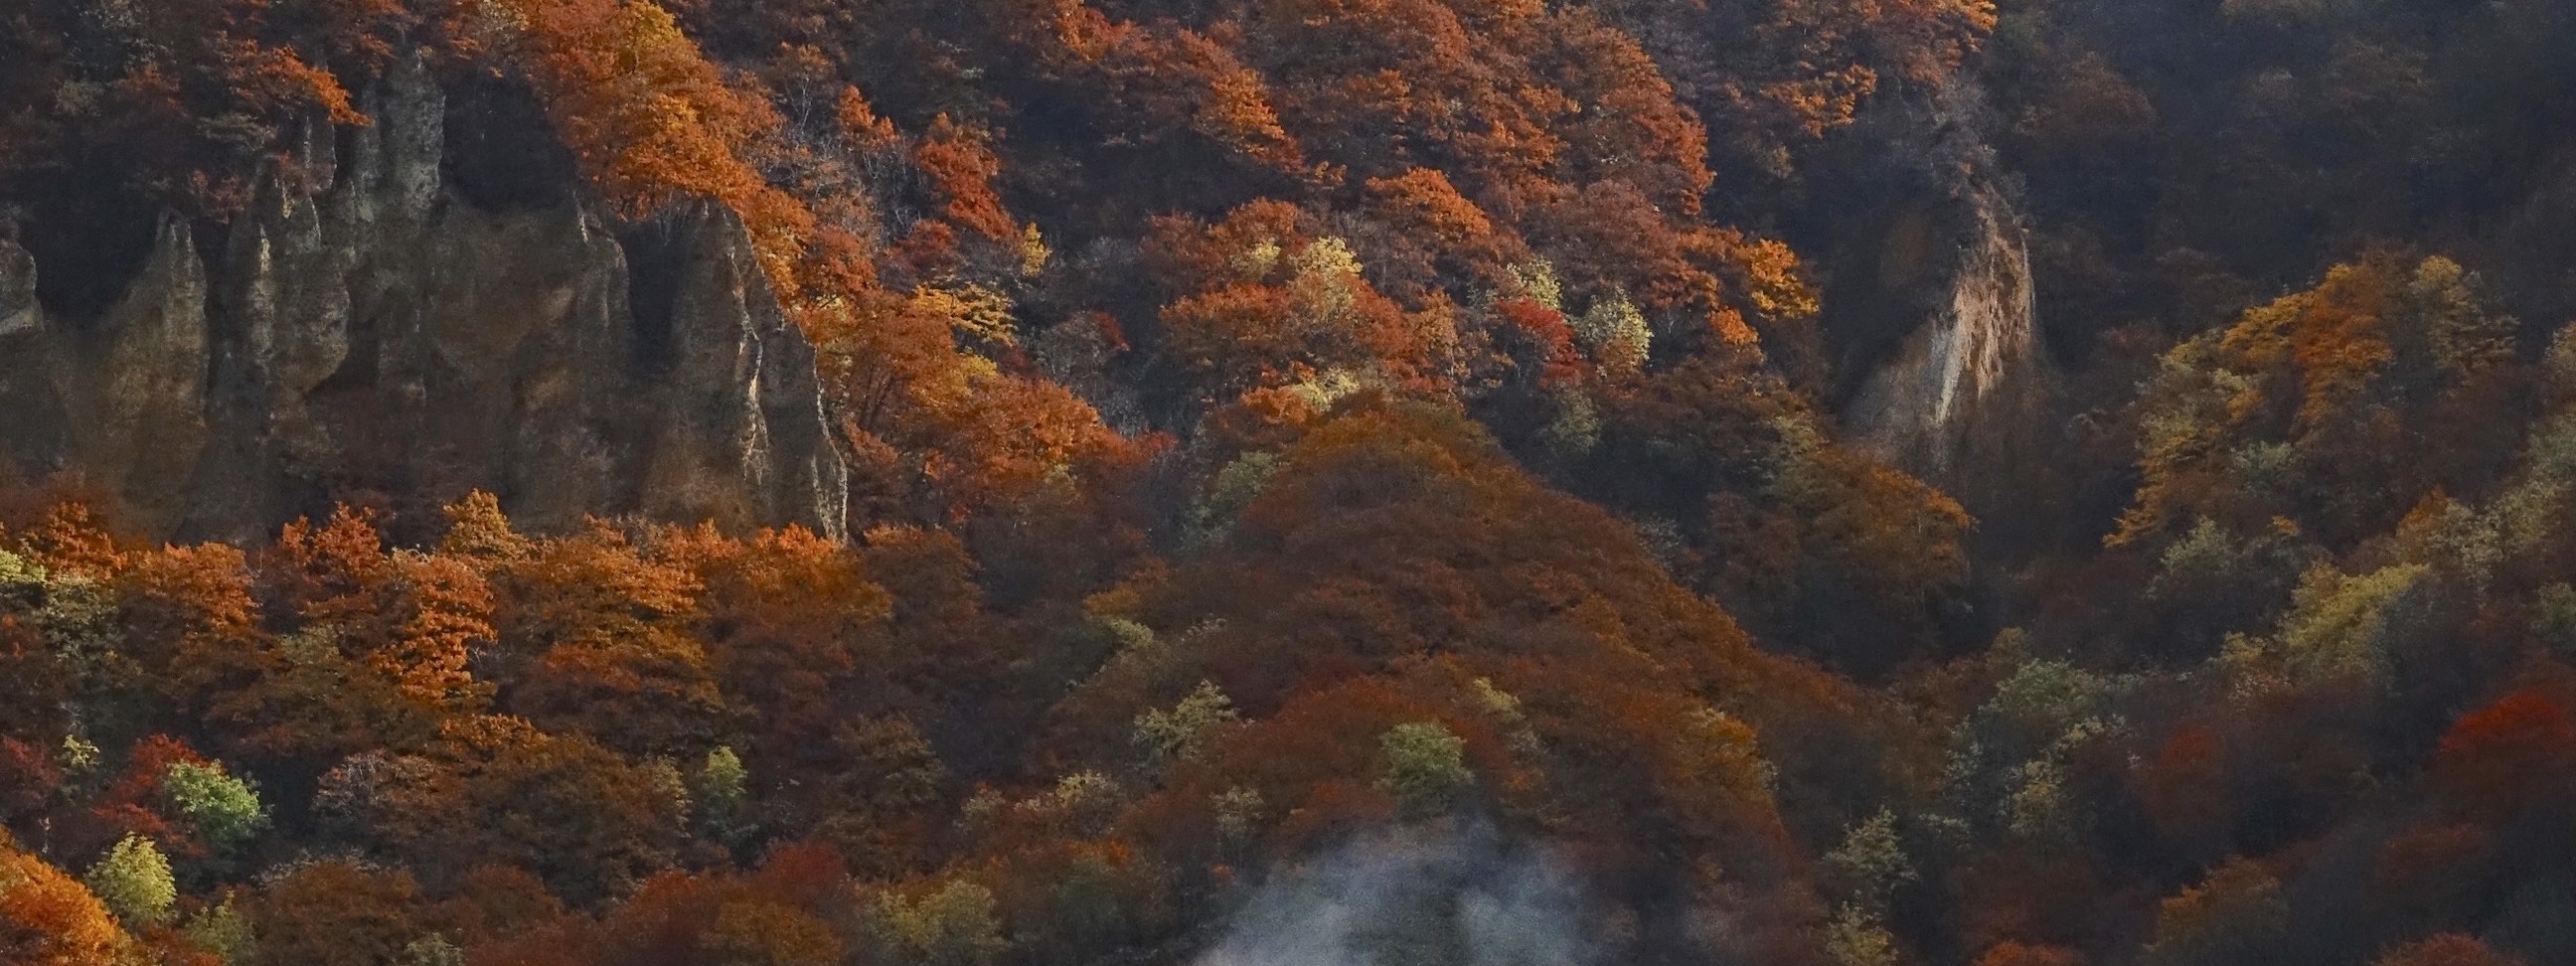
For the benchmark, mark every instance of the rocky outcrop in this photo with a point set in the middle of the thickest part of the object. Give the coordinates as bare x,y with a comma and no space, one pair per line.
123,398
1933,302
366,333
1971,364
740,433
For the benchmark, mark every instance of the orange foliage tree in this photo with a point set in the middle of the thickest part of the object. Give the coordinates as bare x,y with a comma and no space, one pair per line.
48,919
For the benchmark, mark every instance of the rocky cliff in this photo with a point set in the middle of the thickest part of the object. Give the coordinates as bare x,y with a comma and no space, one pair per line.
365,332
1933,311
1965,373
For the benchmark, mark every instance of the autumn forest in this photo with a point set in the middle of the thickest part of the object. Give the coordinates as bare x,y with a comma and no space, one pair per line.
1287,482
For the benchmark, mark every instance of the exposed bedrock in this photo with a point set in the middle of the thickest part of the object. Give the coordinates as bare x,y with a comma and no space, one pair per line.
364,332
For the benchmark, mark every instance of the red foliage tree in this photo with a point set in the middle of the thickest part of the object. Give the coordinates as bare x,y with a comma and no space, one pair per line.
2498,760
2186,789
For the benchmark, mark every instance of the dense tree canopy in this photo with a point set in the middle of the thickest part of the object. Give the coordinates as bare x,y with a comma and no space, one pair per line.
1291,437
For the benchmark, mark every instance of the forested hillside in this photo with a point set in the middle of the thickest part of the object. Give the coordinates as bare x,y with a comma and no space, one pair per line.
1287,482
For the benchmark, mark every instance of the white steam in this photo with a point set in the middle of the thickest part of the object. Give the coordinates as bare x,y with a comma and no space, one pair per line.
1412,898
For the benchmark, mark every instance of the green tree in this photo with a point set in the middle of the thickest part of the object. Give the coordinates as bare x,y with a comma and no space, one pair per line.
1855,938
723,794
222,930
226,810
956,924
432,950
1871,862
134,881
1179,733
1426,766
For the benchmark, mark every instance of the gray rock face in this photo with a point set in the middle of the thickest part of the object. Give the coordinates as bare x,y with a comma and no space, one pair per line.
740,433
368,334
120,401
19,313
32,422
1933,402
139,421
